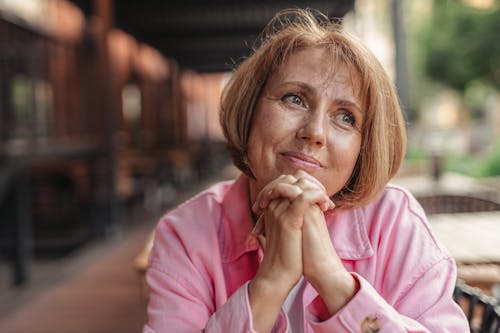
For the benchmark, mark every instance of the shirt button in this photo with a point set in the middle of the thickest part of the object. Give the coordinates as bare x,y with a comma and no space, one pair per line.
370,325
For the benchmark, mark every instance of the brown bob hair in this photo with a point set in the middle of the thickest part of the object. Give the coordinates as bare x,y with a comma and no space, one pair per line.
383,133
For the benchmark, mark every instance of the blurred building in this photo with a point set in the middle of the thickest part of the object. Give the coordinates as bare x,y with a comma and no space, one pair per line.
108,105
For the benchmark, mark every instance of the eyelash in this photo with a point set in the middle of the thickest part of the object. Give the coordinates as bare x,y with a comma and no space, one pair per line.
288,98
291,98
352,119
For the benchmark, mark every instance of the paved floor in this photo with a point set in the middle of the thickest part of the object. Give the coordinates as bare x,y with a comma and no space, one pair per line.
96,290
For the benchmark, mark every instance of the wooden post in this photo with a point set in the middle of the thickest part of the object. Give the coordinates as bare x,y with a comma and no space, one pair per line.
104,13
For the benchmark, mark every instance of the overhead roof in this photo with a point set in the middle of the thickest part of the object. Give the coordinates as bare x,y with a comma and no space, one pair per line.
205,35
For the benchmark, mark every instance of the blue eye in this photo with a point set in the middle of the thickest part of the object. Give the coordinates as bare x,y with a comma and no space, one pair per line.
346,117
294,99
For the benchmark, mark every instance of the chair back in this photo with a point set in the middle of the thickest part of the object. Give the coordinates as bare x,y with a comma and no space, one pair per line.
482,311
451,203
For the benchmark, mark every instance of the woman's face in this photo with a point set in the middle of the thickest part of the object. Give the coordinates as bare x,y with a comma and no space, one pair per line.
309,117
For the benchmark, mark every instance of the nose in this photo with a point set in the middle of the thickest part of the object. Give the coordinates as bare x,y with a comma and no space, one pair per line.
313,129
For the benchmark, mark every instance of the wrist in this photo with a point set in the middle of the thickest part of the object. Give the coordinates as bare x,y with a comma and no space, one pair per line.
336,290
267,288
265,303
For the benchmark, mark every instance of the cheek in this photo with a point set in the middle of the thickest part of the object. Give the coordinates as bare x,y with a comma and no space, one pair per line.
268,119
343,156
257,144
269,128
346,148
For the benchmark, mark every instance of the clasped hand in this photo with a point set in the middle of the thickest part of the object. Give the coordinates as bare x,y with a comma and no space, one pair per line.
297,242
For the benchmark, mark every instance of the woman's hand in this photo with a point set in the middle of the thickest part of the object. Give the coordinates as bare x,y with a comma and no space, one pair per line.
290,187
284,202
281,266
282,262
322,267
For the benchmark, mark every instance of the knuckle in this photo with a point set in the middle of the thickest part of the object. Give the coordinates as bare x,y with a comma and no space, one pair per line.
302,196
301,173
307,183
282,186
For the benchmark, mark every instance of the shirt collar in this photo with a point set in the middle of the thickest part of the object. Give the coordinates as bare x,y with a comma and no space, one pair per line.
347,228
349,235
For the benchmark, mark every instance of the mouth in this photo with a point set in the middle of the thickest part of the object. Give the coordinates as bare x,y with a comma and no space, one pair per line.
302,161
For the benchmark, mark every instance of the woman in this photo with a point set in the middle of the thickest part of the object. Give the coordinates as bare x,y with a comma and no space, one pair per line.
310,238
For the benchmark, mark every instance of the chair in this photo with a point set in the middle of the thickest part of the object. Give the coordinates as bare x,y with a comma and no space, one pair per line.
482,311
450,203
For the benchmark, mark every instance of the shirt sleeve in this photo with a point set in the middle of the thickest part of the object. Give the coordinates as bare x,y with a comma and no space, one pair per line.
427,306
186,283
176,307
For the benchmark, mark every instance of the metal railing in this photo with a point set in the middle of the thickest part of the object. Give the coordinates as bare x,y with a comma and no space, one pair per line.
482,311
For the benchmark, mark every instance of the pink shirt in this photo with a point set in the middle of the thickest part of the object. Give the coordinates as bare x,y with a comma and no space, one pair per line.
203,257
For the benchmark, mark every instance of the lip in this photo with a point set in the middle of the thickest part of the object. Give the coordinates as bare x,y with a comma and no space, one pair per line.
302,160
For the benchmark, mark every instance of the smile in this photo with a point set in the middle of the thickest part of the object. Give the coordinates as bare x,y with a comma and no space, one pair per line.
302,161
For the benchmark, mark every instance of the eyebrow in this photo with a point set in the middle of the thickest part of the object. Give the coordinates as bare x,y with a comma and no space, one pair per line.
302,85
346,103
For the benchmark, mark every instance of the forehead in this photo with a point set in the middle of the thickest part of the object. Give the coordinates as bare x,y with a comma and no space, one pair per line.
320,66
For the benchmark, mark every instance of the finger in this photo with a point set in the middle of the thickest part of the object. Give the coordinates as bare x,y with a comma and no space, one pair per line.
316,194
281,190
256,205
301,174
279,219
262,240
277,208
290,187
268,189
259,227
327,205
298,207
305,180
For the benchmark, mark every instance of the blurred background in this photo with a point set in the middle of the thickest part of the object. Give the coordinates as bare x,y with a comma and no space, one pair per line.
109,117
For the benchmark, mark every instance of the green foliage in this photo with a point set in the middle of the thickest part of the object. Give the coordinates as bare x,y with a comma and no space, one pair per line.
492,163
463,164
477,166
460,44
415,154
416,158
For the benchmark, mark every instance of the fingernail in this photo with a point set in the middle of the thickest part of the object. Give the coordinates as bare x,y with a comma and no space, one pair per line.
331,204
254,231
262,241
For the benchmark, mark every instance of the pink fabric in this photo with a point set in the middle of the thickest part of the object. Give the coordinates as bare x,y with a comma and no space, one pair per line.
203,256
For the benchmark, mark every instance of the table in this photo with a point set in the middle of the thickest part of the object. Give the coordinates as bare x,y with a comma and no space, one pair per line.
470,237
473,239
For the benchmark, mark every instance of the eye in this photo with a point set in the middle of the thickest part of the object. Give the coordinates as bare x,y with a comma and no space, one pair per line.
346,117
293,99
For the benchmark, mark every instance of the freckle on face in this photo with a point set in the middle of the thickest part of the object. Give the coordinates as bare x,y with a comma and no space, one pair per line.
279,130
